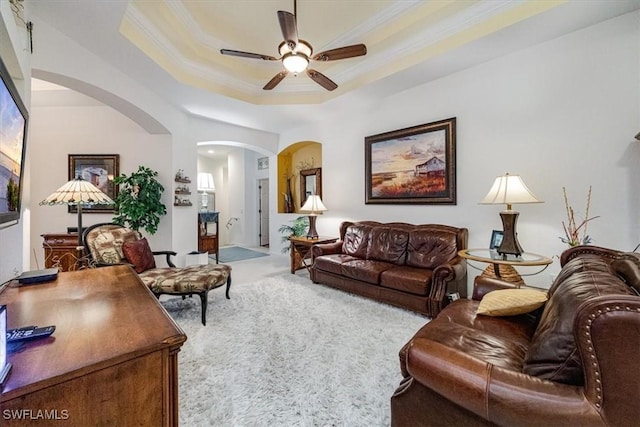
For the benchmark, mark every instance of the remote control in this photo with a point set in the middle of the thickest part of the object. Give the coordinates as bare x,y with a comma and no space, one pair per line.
29,333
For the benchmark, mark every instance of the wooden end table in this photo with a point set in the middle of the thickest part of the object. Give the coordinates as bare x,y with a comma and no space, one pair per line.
301,250
502,266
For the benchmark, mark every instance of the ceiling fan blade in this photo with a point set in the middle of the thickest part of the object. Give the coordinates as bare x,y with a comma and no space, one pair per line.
275,80
341,53
247,54
289,28
321,79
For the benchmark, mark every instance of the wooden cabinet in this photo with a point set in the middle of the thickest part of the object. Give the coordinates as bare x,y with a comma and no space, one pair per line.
60,250
208,241
112,360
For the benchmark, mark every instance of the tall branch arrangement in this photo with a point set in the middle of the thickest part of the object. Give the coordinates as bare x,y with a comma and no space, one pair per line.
576,233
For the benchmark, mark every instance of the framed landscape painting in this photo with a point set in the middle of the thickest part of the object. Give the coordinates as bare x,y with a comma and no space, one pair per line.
100,170
412,165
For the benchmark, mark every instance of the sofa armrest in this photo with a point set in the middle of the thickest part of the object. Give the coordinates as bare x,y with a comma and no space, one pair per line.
168,254
455,271
606,334
326,248
482,285
502,396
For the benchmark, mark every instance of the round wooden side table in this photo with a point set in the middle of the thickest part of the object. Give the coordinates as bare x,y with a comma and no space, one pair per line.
502,266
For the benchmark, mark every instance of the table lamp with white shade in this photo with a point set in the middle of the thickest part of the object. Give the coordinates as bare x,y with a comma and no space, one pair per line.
314,207
206,185
509,190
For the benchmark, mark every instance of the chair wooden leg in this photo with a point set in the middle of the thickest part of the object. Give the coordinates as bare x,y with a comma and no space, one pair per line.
203,298
228,285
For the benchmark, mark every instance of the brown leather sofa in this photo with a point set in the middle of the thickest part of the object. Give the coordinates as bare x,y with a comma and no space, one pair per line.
576,361
410,266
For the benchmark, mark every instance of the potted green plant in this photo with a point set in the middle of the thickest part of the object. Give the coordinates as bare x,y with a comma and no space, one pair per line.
297,228
138,204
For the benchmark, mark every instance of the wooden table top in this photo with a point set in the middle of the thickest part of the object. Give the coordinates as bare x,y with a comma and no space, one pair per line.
102,316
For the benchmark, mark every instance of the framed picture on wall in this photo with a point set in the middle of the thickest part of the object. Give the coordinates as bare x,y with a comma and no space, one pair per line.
412,165
263,163
100,170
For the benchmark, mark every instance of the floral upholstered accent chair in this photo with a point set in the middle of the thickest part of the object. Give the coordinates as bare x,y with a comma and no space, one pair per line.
110,244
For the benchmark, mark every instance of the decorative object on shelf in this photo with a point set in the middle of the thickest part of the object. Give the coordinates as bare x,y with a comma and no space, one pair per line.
571,229
79,193
181,177
288,197
100,170
413,165
139,202
206,184
314,207
509,190
297,229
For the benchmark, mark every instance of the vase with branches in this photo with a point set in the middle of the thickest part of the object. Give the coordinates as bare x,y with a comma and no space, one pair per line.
575,233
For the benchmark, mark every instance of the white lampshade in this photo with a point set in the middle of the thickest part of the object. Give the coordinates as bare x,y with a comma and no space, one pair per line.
205,182
313,205
509,189
77,191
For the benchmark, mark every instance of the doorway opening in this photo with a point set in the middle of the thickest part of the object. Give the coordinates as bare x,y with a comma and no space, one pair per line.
263,212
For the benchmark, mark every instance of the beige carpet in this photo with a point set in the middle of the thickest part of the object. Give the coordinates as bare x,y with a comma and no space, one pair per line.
286,352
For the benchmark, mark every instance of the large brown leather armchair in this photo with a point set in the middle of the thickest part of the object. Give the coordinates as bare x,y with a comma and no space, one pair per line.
573,362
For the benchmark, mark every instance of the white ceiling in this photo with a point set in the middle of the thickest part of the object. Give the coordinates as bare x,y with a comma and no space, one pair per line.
172,46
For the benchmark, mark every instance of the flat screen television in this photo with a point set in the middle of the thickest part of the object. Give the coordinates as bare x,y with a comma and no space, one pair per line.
13,144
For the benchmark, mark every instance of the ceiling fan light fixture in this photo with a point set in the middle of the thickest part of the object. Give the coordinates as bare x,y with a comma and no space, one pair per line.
295,63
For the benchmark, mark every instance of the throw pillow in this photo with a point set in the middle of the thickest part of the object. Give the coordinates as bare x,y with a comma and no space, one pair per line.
511,302
139,254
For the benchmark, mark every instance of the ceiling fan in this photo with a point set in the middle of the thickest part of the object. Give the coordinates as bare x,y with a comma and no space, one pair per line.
295,53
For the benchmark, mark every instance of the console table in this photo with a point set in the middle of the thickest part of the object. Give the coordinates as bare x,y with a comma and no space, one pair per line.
208,242
112,360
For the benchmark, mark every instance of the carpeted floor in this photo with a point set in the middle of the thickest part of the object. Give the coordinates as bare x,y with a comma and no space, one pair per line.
286,352
237,253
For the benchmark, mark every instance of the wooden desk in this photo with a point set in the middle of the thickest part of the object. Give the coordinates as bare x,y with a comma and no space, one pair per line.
113,359
301,250
60,250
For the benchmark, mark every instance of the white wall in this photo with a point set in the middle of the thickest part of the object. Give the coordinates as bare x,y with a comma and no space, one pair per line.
59,131
563,113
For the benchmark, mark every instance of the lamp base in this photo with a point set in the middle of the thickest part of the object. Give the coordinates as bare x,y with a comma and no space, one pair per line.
312,233
509,245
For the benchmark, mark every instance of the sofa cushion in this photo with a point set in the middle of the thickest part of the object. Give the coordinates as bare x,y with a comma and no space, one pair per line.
388,244
407,279
585,262
356,240
105,243
332,262
552,353
365,270
627,266
139,254
511,302
429,248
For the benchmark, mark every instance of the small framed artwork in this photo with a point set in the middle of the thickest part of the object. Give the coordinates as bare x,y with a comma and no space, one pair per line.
100,170
496,239
413,165
263,163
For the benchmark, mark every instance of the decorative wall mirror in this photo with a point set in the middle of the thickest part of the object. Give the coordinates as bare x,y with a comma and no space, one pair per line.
310,183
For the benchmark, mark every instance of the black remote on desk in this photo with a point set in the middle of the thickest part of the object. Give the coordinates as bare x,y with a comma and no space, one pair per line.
29,333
